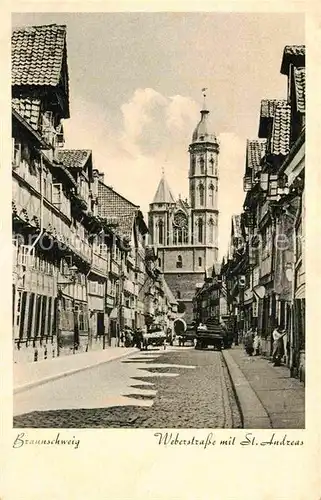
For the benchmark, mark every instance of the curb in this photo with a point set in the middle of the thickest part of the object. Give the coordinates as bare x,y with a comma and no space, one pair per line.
253,413
35,383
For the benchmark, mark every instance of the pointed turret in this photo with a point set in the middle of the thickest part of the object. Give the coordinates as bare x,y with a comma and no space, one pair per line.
163,193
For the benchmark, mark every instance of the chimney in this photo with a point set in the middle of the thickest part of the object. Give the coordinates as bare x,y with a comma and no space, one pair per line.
101,177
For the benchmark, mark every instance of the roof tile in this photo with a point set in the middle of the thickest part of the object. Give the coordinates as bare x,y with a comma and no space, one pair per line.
29,109
299,83
74,158
280,140
255,150
292,54
115,208
37,54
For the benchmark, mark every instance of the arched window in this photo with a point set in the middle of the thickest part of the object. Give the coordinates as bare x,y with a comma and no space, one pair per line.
201,190
212,165
179,262
211,194
178,294
160,232
192,196
193,163
200,262
159,262
201,161
200,230
211,230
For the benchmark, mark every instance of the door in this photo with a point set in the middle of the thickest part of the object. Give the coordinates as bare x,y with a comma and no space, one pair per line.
100,324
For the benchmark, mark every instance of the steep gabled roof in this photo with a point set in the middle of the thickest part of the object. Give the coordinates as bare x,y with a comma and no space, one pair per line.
37,55
292,54
39,62
268,107
163,193
115,208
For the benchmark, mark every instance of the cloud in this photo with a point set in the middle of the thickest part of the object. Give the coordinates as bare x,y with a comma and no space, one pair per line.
155,132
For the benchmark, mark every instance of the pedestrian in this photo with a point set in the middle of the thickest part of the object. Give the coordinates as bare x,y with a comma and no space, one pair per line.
122,339
248,342
256,343
278,345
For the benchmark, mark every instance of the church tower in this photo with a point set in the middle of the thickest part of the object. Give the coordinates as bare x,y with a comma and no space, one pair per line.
185,232
203,187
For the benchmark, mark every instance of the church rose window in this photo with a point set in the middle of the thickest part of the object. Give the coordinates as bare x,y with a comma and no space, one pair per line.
180,228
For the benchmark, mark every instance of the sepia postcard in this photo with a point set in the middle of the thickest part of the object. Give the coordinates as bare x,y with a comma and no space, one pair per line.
160,251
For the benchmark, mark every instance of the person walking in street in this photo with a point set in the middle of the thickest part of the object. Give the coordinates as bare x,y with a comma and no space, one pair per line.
278,345
248,342
256,343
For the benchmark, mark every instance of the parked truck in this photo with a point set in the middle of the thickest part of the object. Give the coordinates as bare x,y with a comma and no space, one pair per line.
214,332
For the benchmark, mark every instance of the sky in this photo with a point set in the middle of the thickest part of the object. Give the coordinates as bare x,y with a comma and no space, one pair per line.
135,83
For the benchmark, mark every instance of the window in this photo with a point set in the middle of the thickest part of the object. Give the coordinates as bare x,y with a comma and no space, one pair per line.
160,232
193,165
16,153
57,194
179,262
200,261
211,194
192,196
211,230
178,294
180,235
200,230
26,255
201,190
30,317
159,262
211,165
201,161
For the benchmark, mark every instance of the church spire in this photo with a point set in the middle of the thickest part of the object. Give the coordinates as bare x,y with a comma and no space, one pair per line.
204,109
163,193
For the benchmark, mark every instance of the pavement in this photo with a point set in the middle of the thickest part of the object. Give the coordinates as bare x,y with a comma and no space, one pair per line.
267,396
28,375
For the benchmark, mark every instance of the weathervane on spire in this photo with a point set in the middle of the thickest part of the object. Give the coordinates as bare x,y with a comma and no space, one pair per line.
204,97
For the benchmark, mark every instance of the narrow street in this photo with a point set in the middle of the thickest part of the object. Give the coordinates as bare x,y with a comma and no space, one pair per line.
175,388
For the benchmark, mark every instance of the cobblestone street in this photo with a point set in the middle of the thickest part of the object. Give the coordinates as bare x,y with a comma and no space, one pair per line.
199,397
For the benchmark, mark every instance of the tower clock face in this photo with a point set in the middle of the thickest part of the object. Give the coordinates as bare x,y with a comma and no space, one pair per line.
180,220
